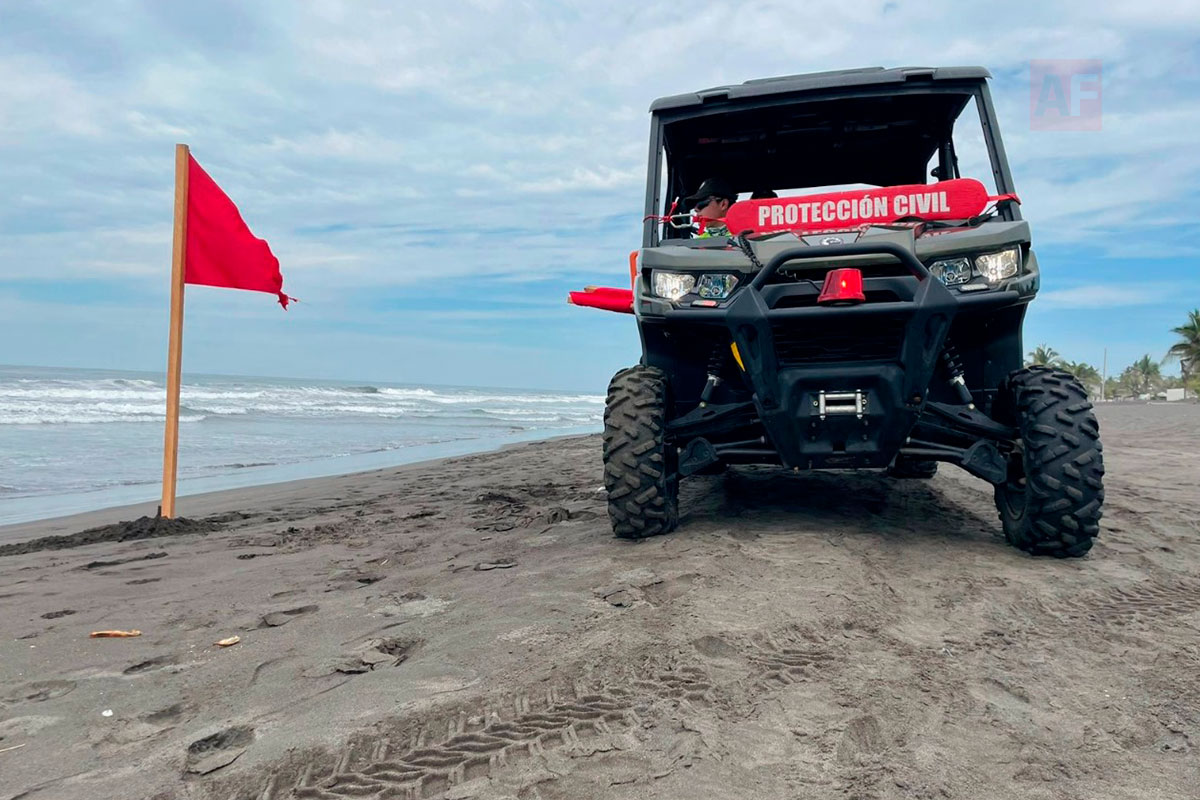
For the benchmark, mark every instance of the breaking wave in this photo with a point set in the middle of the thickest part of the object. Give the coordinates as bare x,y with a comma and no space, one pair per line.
122,400
70,431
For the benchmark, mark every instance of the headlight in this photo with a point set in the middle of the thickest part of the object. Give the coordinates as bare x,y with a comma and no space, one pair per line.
672,285
952,271
998,266
716,286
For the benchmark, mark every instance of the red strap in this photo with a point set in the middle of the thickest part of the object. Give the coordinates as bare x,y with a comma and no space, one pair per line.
665,217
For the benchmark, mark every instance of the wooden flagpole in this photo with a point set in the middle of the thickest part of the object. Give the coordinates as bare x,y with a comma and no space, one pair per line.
175,338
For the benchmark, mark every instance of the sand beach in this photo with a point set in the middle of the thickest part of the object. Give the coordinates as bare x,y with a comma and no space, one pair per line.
468,628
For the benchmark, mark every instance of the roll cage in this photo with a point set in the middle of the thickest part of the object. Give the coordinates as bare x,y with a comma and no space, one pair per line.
876,127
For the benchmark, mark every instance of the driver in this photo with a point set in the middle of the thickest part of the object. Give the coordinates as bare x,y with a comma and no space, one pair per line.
711,201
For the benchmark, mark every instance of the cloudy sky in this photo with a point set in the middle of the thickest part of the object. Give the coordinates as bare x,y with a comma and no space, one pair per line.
435,177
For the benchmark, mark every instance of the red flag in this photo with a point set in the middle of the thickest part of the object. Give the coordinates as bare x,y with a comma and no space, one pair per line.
221,250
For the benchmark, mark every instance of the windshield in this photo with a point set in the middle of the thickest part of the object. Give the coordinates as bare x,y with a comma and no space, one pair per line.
826,144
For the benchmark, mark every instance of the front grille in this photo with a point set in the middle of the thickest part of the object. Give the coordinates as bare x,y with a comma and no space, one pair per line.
809,300
804,342
809,271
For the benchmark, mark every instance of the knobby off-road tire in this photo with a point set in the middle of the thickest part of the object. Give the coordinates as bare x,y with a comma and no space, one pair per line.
1050,504
639,466
912,468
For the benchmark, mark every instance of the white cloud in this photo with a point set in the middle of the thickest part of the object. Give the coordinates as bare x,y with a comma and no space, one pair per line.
36,100
381,146
360,145
145,125
582,179
1108,295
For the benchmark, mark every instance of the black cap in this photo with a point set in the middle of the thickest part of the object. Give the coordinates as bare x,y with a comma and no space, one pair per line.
713,187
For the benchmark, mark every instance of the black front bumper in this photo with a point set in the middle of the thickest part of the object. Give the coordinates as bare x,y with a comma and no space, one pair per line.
819,410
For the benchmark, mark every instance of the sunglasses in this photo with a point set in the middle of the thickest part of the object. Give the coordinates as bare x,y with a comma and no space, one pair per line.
703,204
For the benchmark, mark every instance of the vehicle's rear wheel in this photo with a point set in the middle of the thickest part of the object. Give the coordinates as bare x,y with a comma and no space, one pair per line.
1050,503
639,465
905,467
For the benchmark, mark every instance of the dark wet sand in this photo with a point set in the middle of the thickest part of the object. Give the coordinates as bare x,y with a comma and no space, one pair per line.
469,628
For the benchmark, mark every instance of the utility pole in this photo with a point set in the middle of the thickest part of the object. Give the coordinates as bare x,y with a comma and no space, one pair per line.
1104,378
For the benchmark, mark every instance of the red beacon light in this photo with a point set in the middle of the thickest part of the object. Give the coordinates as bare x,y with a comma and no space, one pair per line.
843,287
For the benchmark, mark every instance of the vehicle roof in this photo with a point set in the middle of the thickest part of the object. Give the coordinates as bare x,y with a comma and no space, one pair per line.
817,81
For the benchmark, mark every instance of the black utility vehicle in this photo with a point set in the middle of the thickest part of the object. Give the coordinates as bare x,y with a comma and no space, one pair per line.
752,356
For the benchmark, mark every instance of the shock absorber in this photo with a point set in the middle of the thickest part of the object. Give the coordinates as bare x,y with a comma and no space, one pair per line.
954,368
716,362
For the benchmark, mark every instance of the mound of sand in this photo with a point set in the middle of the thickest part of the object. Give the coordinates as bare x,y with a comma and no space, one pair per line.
126,531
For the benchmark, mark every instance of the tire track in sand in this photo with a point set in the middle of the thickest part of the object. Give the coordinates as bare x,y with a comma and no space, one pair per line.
1153,599
473,746
448,751
478,741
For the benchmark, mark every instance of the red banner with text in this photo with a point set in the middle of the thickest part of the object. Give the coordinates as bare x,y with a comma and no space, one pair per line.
960,198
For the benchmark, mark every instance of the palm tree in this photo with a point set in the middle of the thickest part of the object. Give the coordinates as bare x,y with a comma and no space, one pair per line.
1187,349
1128,385
1044,355
1146,373
1085,373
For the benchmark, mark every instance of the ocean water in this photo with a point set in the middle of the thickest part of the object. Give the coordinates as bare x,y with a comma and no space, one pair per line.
76,440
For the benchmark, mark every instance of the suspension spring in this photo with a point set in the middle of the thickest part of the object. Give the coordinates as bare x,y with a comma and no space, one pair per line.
952,360
717,358
716,363
953,364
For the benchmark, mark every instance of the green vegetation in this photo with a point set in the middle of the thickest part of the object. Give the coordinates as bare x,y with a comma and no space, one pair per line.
1043,356
1143,377
1085,373
1187,350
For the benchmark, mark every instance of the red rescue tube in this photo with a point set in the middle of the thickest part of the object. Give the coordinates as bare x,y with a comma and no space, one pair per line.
960,198
604,298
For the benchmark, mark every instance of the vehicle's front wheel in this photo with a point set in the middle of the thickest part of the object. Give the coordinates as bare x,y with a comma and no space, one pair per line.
639,465
1050,503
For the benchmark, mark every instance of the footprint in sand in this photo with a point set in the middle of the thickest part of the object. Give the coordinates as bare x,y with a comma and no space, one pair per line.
66,612
863,737
39,691
149,664
390,652
25,727
715,647
379,653
218,750
277,618
353,579
166,716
